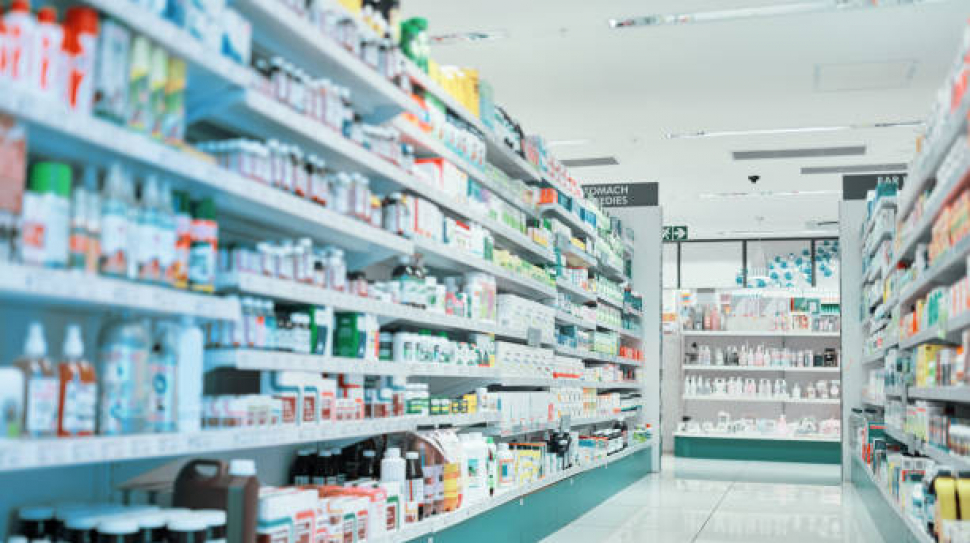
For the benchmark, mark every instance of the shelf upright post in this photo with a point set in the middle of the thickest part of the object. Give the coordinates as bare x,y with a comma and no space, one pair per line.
852,216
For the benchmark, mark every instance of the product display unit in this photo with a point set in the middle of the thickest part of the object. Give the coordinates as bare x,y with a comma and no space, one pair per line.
266,234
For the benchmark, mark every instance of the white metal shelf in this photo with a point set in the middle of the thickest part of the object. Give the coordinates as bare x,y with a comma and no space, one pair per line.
41,453
945,271
60,132
583,295
573,255
754,333
502,430
70,288
874,357
431,146
566,318
442,522
438,255
302,293
612,303
295,38
816,438
883,202
568,218
955,394
590,355
610,327
756,399
915,529
924,168
609,270
710,367
932,335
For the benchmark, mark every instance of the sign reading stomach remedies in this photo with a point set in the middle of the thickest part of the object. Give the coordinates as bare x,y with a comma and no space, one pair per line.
623,194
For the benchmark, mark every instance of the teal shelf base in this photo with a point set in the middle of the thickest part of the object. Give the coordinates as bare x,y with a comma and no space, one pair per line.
769,450
541,513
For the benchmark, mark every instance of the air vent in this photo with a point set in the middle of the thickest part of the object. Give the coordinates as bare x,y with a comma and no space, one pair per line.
589,162
861,168
853,150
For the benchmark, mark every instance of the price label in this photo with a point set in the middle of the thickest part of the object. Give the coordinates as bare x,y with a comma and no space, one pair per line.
85,452
169,445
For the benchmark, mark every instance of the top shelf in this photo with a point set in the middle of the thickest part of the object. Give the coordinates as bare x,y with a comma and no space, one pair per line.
284,32
755,333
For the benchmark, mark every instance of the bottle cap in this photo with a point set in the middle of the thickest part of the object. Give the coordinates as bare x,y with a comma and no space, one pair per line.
83,521
393,452
152,520
47,14
212,517
189,522
81,20
370,454
36,347
118,526
411,455
242,467
73,344
20,5
36,512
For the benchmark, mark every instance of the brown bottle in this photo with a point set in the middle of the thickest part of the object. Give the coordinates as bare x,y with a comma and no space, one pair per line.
232,487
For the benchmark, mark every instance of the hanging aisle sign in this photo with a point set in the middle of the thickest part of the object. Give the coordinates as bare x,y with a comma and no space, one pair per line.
623,194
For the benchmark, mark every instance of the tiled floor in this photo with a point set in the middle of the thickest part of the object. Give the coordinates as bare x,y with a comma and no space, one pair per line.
713,501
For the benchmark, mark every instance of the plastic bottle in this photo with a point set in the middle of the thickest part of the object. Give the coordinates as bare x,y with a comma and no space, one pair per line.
48,58
149,237
40,380
183,238
123,372
202,256
403,274
393,469
506,467
167,237
114,223
161,378
135,217
301,473
34,216
368,465
189,354
58,208
492,466
476,474
21,40
77,411
92,220
414,476
12,391
78,244
80,48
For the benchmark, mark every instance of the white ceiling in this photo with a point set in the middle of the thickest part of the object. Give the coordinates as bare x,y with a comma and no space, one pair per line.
566,75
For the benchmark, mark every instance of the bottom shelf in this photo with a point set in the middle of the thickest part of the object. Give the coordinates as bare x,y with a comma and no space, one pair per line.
767,449
918,533
756,437
443,522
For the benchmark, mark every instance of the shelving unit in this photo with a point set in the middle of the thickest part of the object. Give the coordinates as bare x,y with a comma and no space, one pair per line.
756,399
771,369
222,101
917,532
756,437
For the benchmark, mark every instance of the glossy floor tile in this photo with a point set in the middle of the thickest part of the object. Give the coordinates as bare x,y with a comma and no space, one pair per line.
714,501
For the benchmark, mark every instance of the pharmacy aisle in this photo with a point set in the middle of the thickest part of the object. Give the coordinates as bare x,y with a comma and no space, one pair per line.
907,427
266,276
761,375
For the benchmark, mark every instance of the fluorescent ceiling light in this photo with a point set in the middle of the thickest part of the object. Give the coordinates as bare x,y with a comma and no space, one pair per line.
568,143
765,194
791,130
799,8
468,37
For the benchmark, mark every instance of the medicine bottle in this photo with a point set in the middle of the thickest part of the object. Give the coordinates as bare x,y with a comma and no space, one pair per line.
187,528
215,521
80,528
118,530
36,522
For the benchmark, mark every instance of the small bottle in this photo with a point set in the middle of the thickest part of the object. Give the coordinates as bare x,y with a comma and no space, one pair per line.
92,220
161,375
321,468
41,385
78,244
77,411
393,469
114,224
506,467
204,252
415,482
368,465
302,471
183,237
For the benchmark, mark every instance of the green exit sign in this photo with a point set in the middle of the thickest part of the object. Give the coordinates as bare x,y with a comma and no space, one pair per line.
675,233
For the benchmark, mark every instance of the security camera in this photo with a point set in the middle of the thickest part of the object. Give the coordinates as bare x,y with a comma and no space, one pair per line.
754,178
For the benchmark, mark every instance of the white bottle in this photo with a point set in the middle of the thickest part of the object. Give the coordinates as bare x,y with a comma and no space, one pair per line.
49,57
166,235
189,350
506,467
21,38
393,469
476,467
161,374
135,218
57,205
114,223
147,246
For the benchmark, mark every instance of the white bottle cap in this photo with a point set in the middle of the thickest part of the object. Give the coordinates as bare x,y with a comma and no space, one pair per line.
212,517
393,452
73,344
17,539
189,522
36,346
411,455
152,520
36,512
81,522
117,526
242,467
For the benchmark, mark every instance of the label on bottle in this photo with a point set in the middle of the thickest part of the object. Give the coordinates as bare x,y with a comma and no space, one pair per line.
506,472
302,480
310,407
41,413
80,405
148,247
121,411
166,243
183,246
161,403
416,490
114,237
474,481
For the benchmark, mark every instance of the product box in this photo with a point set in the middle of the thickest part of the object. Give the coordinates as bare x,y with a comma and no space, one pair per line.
350,335
13,164
111,82
321,330
173,117
139,84
157,83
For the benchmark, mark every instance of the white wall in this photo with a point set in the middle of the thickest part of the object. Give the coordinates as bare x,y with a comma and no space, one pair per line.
670,265
710,264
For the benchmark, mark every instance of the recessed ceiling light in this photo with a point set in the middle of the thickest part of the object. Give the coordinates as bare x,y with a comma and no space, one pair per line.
765,194
791,130
468,37
798,8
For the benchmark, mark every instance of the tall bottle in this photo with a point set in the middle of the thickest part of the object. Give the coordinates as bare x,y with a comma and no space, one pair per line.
167,236
414,476
92,220
40,382
202,255
124,371
114,223
189,351
135,221
183,238
161,374
149,235
78,244
78,399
